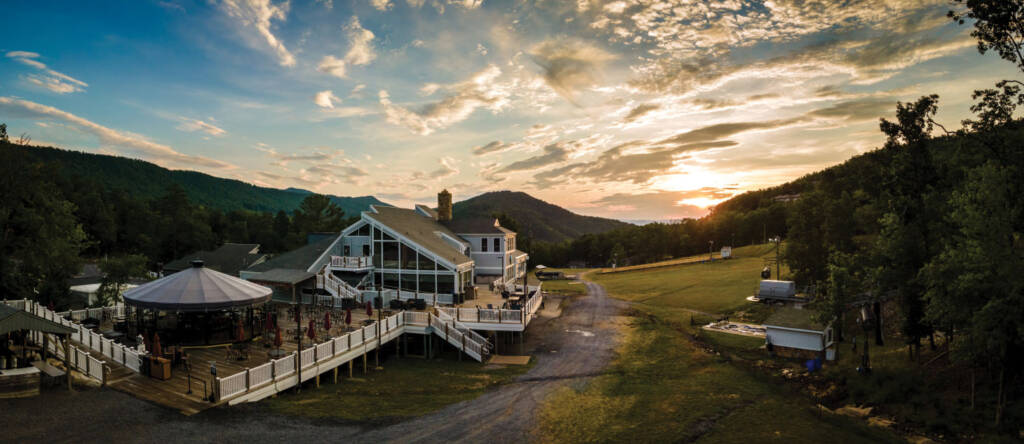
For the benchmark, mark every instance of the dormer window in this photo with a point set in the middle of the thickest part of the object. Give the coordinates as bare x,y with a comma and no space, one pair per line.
497,244
483,244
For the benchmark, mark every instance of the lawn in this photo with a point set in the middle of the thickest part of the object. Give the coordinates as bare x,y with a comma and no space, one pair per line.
565,287
663,387
719,287
405,388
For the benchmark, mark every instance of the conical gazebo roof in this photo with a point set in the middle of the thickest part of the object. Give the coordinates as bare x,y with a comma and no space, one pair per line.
197,289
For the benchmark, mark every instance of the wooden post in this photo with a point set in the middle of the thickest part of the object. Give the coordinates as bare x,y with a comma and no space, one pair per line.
335,375
67,359
350,368
364,360
247,379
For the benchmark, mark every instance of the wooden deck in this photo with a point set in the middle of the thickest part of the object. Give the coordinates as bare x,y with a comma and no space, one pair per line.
173,393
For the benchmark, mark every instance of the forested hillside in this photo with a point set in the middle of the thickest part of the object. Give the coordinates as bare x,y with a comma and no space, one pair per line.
144,180
535,219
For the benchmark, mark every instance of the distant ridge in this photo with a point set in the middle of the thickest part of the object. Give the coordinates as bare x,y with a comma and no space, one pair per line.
537,219
145,180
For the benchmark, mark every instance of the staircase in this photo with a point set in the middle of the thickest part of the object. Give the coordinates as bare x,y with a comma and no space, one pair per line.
462,328
465,342
335,286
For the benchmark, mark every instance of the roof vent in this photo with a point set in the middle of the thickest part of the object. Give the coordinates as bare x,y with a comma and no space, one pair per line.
197,263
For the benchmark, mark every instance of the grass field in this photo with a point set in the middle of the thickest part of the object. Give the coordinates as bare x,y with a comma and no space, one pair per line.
720,287
405,388
565,287
663,387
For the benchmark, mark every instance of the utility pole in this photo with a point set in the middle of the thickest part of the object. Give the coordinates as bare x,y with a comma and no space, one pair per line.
778,262
711,246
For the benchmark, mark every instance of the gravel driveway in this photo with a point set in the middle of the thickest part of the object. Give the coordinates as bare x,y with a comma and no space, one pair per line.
569,349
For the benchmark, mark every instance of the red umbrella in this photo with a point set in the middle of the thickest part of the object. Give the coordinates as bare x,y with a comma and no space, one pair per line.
311,332
239,332
327,321
277,340
348,316
156,346
369,310
269,324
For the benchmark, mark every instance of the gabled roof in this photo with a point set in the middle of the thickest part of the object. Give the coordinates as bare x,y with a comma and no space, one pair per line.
476,225
298,259
13,319
789,317
427,211
422,231
282,276
228,258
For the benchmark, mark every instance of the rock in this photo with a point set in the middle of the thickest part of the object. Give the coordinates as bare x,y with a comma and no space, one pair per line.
854,411
879,421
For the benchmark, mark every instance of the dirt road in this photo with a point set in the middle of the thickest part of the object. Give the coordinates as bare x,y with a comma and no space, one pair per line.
569,350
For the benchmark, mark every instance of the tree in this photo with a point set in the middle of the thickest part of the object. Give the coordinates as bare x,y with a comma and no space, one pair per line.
317,213
118,271
998,26
3,133
40,239
995,108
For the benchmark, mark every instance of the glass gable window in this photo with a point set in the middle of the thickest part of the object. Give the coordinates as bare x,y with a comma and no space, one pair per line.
363,230
425,263
408,258
391,281
409,282
390,254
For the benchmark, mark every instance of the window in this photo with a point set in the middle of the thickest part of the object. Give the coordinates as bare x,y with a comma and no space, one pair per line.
391,281
425,263
390,254
446,283
366,249
409,282
483,244
497,244
347,252
427,283
408,258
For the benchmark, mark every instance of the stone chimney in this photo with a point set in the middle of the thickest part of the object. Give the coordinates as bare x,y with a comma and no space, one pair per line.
444,206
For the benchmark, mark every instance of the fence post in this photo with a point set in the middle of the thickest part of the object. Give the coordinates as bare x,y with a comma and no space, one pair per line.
247,379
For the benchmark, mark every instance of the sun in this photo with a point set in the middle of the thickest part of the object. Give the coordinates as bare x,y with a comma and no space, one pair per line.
701,202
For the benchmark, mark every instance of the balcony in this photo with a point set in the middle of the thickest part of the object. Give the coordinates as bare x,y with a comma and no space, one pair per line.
351,263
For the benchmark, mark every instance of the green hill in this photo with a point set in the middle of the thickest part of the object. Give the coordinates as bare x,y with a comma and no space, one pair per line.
145,180
536,219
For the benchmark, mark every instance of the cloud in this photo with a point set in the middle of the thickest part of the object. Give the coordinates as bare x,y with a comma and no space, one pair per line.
569,64
856,110
192,125
381,5
446,170
553,153
640,111
479,91
331,65
257,14
133,143
660,204
54,81
722,130
325,99
489,148
360,51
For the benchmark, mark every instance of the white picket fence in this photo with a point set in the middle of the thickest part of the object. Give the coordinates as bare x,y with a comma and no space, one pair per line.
95,344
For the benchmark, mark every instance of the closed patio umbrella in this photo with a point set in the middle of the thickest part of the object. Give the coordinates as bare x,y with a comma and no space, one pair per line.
369,309
277,340
157,350
311,332
327,321
348,317
239,332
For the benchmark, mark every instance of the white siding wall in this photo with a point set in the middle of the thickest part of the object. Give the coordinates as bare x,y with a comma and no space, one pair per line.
489,263
794,339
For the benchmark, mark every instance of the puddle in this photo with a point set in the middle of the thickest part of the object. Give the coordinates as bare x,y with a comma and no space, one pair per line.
584,333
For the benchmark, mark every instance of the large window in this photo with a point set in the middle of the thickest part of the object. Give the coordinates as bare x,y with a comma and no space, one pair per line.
390,254
483,244
497,244
408,258
425,263
409,282
391,281
446,283
363,230
427,283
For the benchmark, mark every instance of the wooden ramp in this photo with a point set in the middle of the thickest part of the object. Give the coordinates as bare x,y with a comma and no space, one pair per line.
509,360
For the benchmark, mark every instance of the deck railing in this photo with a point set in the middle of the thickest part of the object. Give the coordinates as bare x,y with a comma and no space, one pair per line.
276,369
351,262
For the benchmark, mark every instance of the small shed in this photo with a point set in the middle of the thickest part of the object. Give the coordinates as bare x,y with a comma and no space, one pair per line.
794,333
780,290
726,252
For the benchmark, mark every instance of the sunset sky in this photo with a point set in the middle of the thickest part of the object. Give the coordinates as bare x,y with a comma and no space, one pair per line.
623,109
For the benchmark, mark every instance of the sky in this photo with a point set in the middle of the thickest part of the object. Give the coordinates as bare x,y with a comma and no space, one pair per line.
629,109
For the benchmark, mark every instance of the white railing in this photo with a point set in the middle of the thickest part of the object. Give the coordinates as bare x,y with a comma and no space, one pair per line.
444,316
231,385
260,375
351,262
308,357
324,351
415,318
284,366
132,359
369,332
335,286
95,368
341,343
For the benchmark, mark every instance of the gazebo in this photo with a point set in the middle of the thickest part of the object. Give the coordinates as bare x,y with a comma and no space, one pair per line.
196,305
